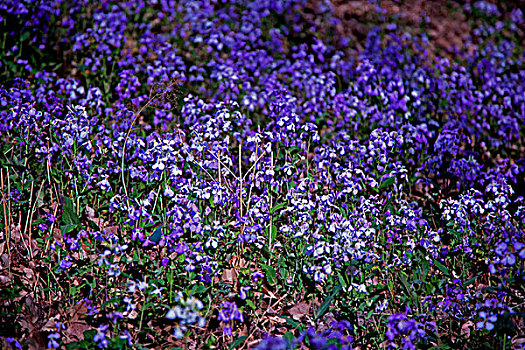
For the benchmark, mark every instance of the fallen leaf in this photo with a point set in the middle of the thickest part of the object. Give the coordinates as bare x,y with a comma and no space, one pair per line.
76,330
518,341
465,328
50,325
229,275
298,311
79,312
112,229
270,311
29,274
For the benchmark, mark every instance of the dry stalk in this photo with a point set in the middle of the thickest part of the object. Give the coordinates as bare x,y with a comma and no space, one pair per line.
6,220
137,114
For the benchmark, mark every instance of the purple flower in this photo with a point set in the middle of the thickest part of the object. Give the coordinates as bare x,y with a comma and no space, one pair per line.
13,342
100,337
243,292
65,264
487,321
257,275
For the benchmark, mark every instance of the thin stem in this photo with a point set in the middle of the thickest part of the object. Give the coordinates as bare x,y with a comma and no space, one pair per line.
129,132
27,219
31,219
6,219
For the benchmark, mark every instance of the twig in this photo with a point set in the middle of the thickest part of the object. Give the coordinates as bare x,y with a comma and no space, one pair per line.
31,219
137,114
27,219
6,220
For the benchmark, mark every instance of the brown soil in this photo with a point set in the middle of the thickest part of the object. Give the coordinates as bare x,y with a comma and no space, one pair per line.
445,22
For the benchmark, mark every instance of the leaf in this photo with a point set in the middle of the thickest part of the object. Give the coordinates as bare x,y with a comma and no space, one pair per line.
237,342
40,200
229,275
266,252
24,36
271,275
277,207
404,281
69,217
93,226
341,280
77,329
326,303
290,321
156,236
67,228
442,267
369,314
289,337
299,310
471,280
251,304
324,307
387,182
198,289
274,232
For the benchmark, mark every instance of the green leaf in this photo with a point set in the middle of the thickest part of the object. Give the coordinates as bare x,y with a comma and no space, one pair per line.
290,321
266,252
404,281
93,226
69,217
471,280
324,307
425,268
156,236
341,279
24,36
277,207
67,228
369,314
198,289
251,304
289,337
271,275
387,182
326,303
237,342
442,267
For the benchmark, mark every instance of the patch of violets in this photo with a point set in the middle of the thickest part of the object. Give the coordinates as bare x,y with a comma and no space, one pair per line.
188,312
249,124
329,339
407,329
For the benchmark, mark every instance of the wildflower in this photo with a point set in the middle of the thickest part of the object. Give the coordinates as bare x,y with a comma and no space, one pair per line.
243,292
100,337
487,321
13,342
52,343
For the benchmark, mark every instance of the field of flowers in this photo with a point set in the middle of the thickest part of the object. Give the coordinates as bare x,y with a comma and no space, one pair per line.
243,175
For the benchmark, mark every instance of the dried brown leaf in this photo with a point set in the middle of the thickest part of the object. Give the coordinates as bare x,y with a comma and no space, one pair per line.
50,325
465,328
229,275
298,311
518,340
76,330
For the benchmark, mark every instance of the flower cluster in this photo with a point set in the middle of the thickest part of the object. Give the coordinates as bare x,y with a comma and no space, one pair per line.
228,313
158,146
186,313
